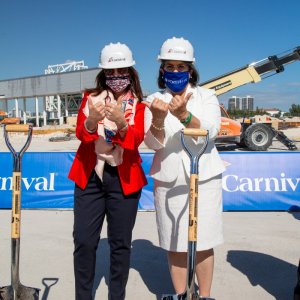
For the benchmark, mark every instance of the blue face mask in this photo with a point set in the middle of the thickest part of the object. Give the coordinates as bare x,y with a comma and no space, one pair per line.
176,81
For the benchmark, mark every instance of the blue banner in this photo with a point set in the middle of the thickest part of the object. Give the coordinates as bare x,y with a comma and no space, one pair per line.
261,181
252,181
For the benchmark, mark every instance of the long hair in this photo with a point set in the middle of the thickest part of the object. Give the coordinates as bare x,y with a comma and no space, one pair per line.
194,75
134,86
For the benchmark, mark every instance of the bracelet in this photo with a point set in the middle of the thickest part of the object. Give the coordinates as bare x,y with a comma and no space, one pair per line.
158,128
89,131
187,120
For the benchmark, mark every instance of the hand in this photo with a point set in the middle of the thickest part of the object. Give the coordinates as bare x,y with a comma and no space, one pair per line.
96,113
178,104
159,110
114,113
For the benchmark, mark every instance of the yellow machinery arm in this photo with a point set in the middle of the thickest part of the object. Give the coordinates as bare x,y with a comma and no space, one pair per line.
251,73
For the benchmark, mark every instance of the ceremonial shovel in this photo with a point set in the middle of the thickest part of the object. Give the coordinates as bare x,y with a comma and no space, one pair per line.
17,291
190,293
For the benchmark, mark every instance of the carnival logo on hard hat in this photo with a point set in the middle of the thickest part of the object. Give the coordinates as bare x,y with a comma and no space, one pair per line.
111,59
176,51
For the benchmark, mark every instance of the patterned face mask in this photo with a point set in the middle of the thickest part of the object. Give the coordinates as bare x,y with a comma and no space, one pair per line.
117,83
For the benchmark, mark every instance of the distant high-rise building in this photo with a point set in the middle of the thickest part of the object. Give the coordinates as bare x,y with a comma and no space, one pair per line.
234,103
248,103
241,103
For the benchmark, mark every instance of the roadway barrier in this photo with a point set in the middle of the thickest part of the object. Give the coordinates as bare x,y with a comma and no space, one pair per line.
253,181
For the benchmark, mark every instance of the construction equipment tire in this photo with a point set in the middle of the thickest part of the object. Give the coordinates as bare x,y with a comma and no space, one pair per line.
258,137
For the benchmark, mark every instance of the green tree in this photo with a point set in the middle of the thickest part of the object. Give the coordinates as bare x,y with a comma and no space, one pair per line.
294,110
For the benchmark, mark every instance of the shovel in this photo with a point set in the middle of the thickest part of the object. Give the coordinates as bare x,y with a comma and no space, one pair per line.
17,291
190,293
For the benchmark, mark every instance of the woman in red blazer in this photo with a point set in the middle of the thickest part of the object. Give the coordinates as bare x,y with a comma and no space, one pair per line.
107,170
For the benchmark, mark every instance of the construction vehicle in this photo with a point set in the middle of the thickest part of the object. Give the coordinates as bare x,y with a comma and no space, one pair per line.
256,136
4,119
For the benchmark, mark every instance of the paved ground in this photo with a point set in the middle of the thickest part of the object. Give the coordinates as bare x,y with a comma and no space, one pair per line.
257,261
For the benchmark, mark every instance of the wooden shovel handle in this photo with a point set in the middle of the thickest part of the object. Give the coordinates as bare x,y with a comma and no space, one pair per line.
17,128
193,208
195,132
16,205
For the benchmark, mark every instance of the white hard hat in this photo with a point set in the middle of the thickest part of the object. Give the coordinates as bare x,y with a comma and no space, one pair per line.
115,56
177,49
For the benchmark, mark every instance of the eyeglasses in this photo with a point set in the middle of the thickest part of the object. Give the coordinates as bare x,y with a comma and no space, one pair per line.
119,71
180,67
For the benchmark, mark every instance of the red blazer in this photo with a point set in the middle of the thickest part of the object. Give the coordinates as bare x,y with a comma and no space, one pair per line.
131,174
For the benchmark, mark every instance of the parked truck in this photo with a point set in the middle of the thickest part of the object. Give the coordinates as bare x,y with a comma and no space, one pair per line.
256,136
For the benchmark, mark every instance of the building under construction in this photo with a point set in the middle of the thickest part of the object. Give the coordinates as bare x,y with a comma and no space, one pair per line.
58,92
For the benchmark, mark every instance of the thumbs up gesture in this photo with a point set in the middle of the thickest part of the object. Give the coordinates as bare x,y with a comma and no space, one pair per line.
114,113
177,106
96,110
158,108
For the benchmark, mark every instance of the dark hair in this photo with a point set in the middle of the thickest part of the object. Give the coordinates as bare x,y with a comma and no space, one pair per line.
193,79
135,85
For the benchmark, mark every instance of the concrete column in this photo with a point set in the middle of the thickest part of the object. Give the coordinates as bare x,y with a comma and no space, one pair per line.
66,106
24,104
44,111
17,108
24,110
24,117
60,120
6,105
37,119
45,117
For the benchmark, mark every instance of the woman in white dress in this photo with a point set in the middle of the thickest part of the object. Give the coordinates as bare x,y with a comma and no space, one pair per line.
182,103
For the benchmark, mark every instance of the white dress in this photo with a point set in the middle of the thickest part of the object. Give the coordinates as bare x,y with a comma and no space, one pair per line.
171,205
171,172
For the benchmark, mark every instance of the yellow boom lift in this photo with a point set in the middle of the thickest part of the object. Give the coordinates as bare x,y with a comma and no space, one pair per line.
254,136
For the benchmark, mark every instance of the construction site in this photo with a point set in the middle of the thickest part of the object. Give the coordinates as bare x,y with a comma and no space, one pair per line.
258,260
57,96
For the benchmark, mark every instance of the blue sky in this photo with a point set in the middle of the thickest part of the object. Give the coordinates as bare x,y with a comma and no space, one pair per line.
226,35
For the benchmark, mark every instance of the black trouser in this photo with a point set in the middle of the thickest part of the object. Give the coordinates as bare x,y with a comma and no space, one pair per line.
90,207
